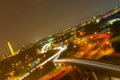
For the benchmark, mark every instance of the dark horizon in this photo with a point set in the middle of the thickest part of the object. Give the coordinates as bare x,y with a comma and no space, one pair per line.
22,22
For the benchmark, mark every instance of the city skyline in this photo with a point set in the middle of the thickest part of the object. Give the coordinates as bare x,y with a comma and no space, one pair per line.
87,50
22,22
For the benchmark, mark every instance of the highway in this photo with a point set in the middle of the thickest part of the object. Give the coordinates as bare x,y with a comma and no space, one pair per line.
94,64
83,45
89,48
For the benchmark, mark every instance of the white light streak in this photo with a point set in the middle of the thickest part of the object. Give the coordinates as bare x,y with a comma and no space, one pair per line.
45,47
92,63
24,76
54,56
61,49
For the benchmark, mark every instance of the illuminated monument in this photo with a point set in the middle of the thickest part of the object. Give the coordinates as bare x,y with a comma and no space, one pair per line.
11,49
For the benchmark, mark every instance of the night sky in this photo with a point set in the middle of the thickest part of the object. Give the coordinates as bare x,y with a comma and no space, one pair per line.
23,21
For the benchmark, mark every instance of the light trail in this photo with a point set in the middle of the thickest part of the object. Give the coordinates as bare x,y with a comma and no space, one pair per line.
24,76
114,20
55,58
45,47
92,63
61,49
